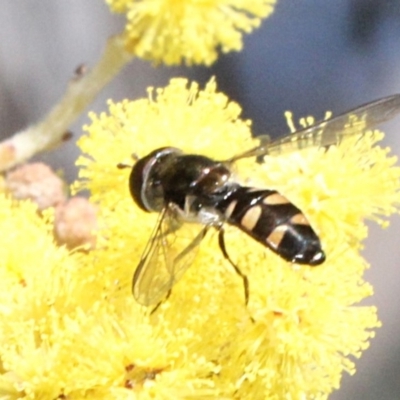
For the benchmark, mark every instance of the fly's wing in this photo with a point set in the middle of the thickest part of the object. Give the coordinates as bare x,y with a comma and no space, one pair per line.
331,131
170,251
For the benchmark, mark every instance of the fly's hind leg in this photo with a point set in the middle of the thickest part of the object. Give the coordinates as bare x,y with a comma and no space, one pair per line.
221,242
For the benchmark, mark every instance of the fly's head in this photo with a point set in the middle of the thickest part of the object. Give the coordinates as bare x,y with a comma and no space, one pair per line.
147,178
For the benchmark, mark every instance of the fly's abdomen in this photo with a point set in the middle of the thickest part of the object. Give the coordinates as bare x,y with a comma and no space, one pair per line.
272,220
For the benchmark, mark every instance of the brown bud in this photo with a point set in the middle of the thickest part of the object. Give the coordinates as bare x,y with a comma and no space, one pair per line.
38,182
75,222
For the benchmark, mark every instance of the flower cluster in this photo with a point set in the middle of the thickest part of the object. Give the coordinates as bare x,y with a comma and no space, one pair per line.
70,328
191,31
302,325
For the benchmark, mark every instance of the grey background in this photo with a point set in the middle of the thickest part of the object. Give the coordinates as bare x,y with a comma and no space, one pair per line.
310,56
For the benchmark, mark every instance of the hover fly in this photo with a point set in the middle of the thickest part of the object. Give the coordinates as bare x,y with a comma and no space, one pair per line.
193,193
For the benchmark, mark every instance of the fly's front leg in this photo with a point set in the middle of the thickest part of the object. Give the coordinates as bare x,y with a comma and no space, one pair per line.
221,242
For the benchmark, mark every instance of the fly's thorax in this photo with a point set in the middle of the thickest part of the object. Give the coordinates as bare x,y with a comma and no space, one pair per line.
194,175
146,181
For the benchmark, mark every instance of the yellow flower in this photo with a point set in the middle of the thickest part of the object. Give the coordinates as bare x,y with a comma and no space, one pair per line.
63,333
303,325
191,31
69,326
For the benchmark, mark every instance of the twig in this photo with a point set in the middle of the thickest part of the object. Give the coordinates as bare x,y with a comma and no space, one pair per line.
52,131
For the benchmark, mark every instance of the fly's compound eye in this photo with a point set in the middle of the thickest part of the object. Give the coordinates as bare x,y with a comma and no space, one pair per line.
145,181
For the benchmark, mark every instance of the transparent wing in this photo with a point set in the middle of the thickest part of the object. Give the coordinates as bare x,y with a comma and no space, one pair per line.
331,131
170,251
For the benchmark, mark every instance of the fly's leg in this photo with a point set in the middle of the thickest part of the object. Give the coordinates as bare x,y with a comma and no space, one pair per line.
221,242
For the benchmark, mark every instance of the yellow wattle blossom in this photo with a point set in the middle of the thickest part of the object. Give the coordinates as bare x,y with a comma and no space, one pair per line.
190,30
63,336
69,325
303,324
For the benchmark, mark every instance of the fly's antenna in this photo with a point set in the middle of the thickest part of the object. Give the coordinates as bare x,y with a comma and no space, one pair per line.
123,166
134,157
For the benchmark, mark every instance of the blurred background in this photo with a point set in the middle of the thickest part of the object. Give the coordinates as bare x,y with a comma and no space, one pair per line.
308,57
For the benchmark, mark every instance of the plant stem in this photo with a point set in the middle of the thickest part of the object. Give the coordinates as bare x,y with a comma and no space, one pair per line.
52,130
